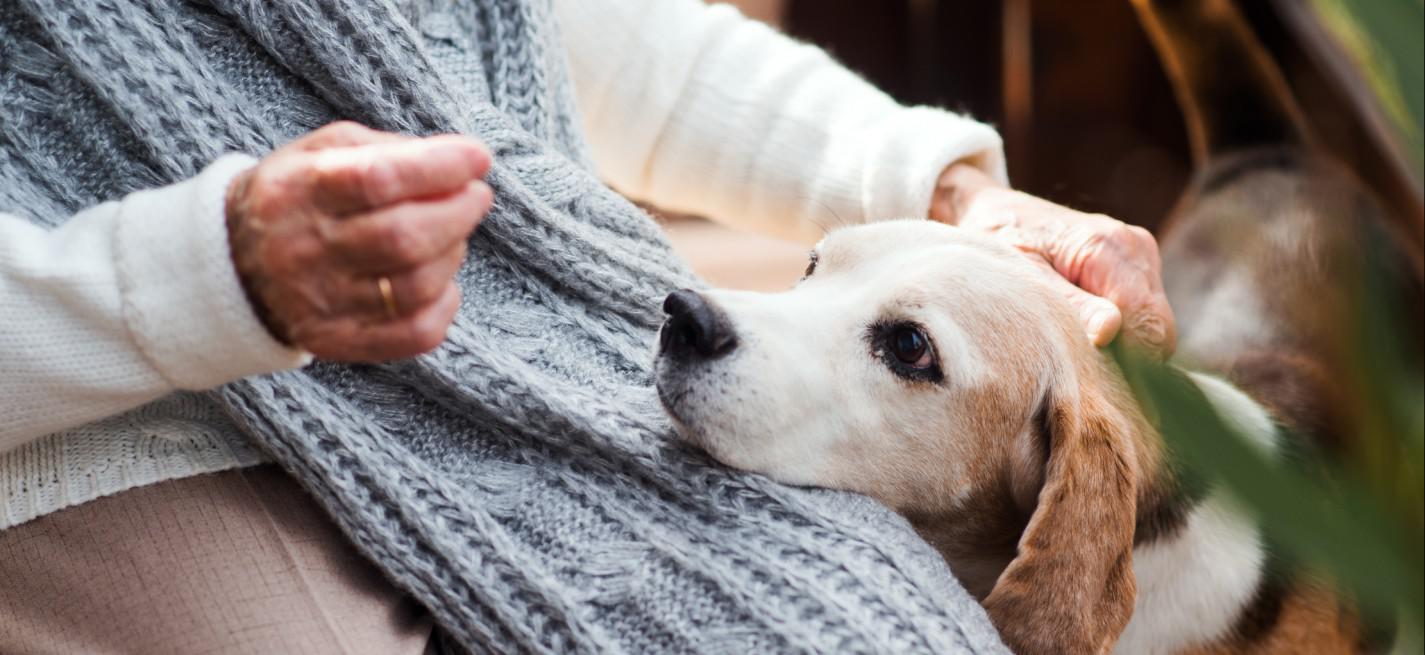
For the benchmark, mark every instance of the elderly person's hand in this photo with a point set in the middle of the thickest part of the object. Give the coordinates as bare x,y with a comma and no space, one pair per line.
348,239
1109,271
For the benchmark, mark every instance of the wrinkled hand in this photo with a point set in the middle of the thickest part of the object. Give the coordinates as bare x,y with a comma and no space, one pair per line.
316,225
1110,271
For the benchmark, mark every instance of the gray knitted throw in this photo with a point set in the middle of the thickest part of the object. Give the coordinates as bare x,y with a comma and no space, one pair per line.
521,481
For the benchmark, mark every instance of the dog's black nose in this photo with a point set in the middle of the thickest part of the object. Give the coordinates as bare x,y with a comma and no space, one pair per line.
695,327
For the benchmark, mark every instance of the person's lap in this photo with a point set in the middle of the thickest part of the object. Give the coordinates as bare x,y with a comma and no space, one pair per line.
235,562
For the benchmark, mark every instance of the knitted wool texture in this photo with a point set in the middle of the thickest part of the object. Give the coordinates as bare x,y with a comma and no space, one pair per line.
521,481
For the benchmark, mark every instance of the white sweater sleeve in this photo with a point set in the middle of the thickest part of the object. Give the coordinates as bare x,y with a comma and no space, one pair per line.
698,109
124,303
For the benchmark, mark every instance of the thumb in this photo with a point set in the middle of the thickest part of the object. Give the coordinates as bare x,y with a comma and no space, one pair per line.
1099,317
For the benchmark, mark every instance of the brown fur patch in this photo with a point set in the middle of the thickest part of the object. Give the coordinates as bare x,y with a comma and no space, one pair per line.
979,537
1306,619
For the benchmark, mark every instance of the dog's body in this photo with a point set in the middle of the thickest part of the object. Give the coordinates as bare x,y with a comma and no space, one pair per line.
935,371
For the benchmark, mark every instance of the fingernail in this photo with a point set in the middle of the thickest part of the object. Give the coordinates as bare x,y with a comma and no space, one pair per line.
485,158
480,156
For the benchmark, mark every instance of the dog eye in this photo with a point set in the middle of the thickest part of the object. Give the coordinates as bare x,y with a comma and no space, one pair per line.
910,346
811,264
906,349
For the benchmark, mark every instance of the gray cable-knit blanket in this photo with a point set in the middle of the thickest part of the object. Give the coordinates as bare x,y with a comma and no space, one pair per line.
521,481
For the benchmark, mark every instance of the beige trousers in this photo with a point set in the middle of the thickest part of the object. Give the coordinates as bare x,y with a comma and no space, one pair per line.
235,562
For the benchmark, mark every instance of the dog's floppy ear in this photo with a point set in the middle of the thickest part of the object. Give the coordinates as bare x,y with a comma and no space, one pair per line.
1070,589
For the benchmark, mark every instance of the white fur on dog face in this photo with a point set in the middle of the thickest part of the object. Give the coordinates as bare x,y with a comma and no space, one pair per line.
806,398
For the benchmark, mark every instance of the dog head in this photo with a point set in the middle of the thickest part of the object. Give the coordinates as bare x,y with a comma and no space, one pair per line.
930,369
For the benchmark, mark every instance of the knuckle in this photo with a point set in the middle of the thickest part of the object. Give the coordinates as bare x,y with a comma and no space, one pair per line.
1096,241
1101,223
333,180
401,244
266,196
427,284
415,290
380,182
1146,240
1124,237
343,129
1149,328
354,179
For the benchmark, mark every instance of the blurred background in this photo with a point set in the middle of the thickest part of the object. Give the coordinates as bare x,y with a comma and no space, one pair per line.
1087,114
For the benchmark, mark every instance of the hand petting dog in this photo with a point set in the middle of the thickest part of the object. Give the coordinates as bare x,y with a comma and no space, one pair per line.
1110,271
347,240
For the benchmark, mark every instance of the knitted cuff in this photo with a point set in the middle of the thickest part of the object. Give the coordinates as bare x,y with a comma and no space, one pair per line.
182,300
910,151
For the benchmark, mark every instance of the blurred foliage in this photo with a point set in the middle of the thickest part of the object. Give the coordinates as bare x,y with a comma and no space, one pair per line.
1359,520
1387,40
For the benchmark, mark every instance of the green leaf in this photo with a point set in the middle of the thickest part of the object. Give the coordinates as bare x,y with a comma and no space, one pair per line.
1323,518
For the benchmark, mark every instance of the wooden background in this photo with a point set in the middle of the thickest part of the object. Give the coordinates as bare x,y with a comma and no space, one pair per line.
1087,114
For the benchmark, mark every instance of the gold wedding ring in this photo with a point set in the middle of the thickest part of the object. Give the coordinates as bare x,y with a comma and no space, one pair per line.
388,297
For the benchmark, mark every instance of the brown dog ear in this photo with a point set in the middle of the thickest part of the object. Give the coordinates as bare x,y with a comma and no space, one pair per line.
1070,589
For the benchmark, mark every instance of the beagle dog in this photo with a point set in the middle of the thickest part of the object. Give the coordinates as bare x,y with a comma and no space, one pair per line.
935,371
932,369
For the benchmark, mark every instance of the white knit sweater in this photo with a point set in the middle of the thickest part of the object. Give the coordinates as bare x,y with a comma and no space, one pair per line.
690,107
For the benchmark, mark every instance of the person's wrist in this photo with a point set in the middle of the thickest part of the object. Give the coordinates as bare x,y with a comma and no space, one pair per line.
237,241
956,189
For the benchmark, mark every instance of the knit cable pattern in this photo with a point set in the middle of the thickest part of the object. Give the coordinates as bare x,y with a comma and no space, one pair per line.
521,481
